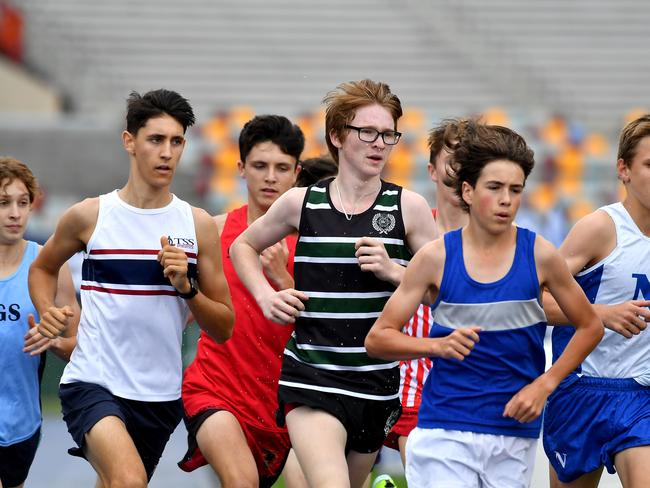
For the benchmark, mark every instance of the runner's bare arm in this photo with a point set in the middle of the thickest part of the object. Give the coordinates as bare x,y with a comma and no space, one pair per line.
220,220
63,345
71,235
418,223
274,261
386,340
282,218
418,220
211,307
553,273
590,240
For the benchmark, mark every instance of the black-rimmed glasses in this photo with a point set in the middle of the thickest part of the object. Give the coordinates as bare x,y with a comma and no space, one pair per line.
368,134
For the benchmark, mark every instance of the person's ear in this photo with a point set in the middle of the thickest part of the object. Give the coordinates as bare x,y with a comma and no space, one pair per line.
622,171
467,193
128,141
336,141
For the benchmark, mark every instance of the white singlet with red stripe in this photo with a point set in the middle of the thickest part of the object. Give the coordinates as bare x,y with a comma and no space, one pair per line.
132,320
415,371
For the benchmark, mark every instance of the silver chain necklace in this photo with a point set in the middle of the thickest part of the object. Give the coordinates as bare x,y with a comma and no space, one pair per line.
354,207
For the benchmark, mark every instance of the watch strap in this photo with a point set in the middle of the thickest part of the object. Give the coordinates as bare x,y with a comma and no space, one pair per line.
190,294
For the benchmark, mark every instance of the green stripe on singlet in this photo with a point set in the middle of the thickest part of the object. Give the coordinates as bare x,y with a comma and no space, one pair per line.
323,249
327,249
336,359
317,195
345,304
387,201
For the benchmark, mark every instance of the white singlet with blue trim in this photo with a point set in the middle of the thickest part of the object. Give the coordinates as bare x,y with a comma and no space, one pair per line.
132,320
622,276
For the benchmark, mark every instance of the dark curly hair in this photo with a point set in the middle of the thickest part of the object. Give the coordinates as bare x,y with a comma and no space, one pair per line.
479,144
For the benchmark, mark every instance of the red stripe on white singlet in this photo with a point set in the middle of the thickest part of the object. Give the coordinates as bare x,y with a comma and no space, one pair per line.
120,291
147,252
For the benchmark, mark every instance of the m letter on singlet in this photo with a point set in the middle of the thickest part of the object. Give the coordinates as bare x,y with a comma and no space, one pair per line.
642,290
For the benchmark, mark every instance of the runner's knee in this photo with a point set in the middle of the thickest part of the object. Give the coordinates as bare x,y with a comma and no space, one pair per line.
128,478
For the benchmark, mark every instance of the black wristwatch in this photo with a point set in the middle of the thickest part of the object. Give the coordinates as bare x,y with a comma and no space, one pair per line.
190,294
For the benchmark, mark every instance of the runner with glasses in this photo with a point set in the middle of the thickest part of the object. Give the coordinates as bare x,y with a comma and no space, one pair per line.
338,403
368,134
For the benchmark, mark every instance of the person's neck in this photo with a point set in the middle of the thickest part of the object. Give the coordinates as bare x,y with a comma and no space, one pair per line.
488,242
449,216
144,196
639,214
12,254
354,195
354,187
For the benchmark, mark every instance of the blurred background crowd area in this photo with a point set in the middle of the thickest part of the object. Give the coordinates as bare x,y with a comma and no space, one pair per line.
566,75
